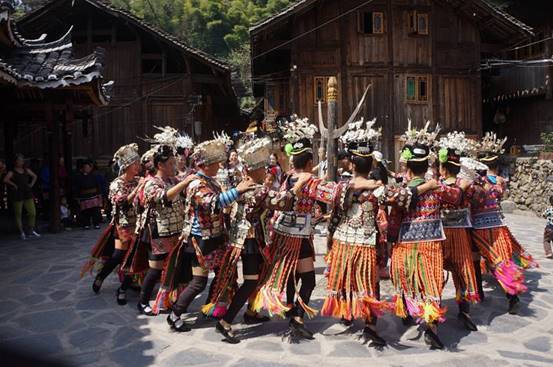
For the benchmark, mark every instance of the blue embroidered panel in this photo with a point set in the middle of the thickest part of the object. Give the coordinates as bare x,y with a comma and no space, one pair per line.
431,230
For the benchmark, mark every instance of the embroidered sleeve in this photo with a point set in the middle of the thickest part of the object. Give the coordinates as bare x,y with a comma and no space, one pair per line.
279,200
154,192
320,190
450,194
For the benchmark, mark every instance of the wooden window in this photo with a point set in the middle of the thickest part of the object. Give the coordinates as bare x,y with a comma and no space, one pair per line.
417,89
418,23
422,24
320,85
371,22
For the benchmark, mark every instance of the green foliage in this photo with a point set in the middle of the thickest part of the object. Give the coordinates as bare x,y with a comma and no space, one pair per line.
547,139
216,26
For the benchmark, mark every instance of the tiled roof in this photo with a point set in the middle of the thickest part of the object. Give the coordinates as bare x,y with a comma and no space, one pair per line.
45,65
140,23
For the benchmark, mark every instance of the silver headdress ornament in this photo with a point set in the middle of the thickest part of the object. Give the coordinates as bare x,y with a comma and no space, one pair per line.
418,143
299,129
361,137
423,136
167,136
255,153
470,168
126,155
299,133
212,151
184,142
491,145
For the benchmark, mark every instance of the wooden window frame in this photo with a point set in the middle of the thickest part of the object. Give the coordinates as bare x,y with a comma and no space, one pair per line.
325,86
413,23
418,99
374,14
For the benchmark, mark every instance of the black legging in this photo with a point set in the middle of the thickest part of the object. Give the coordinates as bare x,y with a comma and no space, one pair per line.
251,264
195,287
153,276
111,264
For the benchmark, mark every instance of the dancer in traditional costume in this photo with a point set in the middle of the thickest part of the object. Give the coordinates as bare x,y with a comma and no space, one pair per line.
353,290
417,257
247,240
122,194
503,254
292,251
165,207
203,227
457,249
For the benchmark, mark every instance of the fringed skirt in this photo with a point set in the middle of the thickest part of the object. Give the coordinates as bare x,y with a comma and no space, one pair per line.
417,275
285,253
458,260
102,250
352,291
504,256
165,296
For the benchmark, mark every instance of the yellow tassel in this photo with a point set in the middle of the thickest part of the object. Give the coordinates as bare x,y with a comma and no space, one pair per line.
400,308
257,303
207,308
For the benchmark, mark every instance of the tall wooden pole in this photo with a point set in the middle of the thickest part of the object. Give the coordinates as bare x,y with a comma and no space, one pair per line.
332,105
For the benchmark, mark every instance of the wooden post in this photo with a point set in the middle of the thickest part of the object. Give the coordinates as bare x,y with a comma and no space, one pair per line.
68,149
332,105
9,137
549,69
53,155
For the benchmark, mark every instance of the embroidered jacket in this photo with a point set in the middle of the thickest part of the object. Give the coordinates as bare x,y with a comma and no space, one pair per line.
457,215
422,222
354,215
205,201
166,216
485,208
250,215
125,213
295,212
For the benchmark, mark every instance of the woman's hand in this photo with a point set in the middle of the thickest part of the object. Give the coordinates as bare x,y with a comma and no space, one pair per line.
245,185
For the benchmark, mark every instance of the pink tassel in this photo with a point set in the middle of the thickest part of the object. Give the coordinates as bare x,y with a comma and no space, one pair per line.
413,308
510,277
220,311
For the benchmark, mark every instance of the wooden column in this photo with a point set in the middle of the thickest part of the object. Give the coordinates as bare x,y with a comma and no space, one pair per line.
9,137
549,68
53,156
332,105
68,149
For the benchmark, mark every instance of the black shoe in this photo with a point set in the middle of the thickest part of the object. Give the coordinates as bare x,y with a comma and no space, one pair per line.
514,305
145,309
121,297
346,322
226,333
178,325
408,321
257,319
301,329
432,339
96,285
467,321
96,227
377,341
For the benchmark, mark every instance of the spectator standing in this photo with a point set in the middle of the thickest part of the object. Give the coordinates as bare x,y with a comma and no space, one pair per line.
88,193
21,181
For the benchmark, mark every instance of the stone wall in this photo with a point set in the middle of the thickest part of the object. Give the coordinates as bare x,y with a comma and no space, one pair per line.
531,184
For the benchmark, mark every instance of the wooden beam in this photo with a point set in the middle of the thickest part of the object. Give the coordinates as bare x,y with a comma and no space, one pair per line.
206,79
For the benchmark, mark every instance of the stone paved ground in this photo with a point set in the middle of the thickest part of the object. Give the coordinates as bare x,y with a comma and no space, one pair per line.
46,310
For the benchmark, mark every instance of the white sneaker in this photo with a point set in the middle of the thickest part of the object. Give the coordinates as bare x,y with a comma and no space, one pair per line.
23,236
34,234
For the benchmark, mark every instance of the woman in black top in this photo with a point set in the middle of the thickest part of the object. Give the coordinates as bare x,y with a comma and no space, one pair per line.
21,181
89,195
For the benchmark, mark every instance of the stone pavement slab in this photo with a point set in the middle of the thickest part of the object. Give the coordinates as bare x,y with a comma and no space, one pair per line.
46,310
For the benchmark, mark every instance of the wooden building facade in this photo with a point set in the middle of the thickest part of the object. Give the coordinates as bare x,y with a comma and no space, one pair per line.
422,58
518,88
158,80
43,86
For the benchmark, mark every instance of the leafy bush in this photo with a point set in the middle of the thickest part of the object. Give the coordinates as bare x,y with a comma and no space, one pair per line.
547,139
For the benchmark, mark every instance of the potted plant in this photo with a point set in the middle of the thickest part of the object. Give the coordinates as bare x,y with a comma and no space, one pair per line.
547,152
